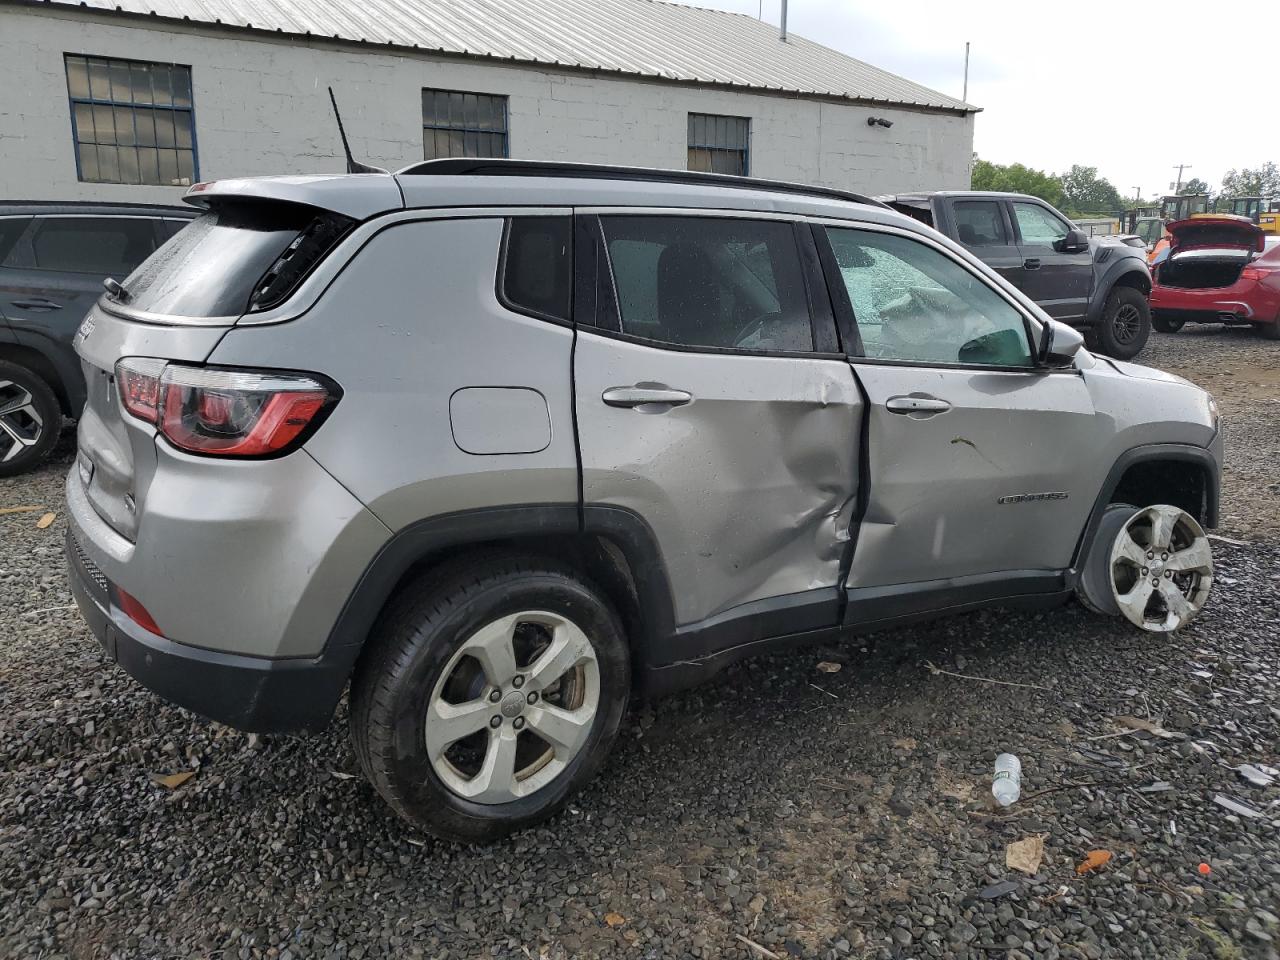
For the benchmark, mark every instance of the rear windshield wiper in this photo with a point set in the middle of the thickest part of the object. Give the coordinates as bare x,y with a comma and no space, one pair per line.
115,290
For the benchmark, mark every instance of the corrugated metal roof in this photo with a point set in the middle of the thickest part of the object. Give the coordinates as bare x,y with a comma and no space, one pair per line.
644,37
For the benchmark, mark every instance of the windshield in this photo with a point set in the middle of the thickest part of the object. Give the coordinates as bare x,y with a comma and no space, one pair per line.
212,266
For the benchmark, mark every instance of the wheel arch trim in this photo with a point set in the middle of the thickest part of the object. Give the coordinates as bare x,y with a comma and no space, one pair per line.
1111,277
1150,453
418,541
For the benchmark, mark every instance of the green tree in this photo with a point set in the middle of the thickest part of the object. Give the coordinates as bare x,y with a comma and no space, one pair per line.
1193,186
1016,178
1083,191
1264,181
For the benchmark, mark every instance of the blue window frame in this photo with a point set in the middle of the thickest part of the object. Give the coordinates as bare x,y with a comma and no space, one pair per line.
460,124
132,121
720,144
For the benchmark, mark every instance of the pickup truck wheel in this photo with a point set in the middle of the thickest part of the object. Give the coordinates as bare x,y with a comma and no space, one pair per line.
1125,324
489,696
1153,566
1165,323
30,419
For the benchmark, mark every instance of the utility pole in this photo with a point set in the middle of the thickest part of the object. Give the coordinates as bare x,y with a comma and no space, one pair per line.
1137,194
783,35
1181,167
965,95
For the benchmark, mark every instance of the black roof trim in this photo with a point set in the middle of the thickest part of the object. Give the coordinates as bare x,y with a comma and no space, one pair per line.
34,207
467,167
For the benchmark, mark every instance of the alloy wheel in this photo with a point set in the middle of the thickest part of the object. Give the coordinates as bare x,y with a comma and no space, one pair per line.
1126,324
513,707
21,425
1161,568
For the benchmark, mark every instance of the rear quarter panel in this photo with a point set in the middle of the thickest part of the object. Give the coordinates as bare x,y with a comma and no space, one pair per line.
410,320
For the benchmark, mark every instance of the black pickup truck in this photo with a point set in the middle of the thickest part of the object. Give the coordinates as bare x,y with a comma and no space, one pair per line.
1098,284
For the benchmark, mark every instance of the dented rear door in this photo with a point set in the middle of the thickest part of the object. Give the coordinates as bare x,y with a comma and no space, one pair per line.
711,401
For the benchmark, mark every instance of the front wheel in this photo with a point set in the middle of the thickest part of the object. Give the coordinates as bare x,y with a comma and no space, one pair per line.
30,419
1165,323
1125,325
489,696
1153,566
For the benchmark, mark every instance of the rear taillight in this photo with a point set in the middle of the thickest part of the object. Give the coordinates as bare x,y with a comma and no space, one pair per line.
1256,273
223,412
138,380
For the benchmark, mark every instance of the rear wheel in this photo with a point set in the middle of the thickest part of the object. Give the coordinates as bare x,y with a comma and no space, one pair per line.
1125,324
30,419
1153,566
1268,331
489,697
1165,323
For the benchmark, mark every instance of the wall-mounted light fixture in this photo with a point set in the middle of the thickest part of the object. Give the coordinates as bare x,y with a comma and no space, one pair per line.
879,122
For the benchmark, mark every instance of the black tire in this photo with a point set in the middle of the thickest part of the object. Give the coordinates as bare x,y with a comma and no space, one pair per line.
1125,324
17,381
1094,587
411,646
1268,331
1165,323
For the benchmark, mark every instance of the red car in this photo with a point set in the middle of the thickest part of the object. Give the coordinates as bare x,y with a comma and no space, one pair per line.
1212,274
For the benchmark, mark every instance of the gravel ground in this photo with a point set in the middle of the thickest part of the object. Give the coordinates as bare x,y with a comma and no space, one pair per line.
816,814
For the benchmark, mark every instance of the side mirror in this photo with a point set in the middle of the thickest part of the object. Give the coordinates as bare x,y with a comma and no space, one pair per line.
1059,344
1076,241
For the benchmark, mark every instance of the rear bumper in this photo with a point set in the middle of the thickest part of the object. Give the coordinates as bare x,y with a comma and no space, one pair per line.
1206,305
254,694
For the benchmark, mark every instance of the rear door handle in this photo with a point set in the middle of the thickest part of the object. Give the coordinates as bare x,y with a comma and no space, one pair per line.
639,396
1031,263
36,303
925,405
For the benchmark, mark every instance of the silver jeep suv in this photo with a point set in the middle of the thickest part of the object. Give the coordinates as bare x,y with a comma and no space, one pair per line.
495,444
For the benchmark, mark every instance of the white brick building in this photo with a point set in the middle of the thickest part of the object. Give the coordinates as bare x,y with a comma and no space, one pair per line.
132,102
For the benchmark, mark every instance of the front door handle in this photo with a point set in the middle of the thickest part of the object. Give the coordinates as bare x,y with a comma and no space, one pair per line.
1031,263
639,396
36,303
920,405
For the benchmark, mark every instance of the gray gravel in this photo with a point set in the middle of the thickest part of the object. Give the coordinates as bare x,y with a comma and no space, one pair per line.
816,814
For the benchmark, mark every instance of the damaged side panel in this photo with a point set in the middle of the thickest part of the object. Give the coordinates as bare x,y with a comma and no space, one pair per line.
998,481
749,486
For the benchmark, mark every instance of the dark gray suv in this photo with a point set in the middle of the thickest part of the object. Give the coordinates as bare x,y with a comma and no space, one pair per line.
494,444
53,259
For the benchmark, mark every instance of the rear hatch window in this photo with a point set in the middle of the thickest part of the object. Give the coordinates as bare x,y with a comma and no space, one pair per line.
238,257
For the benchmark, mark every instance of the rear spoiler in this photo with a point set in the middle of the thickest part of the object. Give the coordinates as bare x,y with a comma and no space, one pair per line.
358,197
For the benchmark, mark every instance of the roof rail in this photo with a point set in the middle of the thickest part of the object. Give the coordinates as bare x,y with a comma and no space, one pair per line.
487,167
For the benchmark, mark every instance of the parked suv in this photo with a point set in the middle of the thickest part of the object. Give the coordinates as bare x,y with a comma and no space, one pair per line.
498,443
1097,284
53,259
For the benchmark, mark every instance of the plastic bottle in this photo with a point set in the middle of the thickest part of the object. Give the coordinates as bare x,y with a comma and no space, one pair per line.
1007,783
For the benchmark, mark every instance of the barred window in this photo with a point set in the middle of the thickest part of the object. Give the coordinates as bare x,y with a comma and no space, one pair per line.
719,144
132,121
457,124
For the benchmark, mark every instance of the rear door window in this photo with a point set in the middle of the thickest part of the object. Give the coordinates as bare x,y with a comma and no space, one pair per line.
104,246
234,258
710,282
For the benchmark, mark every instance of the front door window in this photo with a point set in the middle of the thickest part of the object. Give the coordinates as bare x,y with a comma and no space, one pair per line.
912,303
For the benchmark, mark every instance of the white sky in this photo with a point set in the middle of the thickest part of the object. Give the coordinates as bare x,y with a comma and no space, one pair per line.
1079,81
